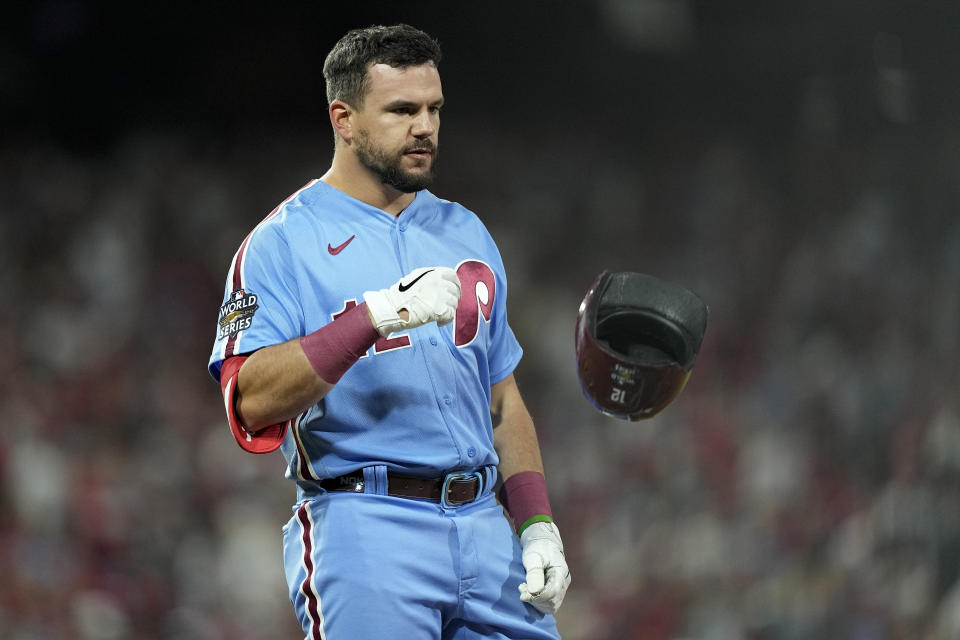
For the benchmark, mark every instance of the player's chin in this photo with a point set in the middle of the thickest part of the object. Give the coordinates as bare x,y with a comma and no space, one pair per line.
419,173
413,176
411,181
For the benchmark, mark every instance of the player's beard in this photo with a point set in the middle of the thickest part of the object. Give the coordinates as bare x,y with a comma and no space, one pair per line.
387,166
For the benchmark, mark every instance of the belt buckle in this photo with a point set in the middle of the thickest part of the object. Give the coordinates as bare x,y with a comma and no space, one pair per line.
451,477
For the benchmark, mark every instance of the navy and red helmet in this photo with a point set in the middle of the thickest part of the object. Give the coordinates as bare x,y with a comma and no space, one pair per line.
637,338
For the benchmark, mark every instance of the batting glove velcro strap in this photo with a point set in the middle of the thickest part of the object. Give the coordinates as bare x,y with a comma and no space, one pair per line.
428,294
548,576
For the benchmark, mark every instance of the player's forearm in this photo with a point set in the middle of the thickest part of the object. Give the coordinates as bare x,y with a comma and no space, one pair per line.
514,435
523,493
276,384
280,382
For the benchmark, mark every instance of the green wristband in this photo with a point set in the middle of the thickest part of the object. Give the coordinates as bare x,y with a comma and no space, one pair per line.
533,520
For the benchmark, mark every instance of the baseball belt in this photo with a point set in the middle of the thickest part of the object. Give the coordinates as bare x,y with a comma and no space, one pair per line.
450,490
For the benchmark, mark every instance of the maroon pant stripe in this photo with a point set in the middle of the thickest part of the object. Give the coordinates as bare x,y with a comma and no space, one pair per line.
307,587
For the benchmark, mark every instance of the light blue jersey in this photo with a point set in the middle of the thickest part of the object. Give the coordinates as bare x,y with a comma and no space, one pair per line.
419,401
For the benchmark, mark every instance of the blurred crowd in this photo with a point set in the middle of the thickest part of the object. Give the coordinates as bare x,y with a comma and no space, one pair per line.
805,485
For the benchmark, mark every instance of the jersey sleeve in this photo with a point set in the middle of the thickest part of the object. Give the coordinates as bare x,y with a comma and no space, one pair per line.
260,304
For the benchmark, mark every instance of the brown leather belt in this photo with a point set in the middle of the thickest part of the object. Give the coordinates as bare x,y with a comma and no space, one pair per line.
451,490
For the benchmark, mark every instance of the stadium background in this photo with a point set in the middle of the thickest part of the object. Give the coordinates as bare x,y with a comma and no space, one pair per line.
796,164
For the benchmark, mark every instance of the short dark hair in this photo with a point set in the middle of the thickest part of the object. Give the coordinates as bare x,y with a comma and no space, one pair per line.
400,45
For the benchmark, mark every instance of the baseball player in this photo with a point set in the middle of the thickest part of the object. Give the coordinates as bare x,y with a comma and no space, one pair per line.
364,333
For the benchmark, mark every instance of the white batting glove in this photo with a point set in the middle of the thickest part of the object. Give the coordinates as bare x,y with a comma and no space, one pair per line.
428,294
548,576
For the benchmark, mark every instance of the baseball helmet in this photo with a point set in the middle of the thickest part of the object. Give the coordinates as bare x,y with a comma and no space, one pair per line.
637,338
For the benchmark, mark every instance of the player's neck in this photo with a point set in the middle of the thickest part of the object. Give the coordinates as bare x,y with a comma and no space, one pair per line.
355,180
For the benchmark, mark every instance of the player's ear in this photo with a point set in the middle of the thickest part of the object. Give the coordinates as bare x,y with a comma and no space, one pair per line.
340,118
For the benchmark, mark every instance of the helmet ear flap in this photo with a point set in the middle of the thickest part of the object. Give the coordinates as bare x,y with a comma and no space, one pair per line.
637,338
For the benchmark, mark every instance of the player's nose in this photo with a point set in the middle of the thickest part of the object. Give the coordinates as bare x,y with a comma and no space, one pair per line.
424,124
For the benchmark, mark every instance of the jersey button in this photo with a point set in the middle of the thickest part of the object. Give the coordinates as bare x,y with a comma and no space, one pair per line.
403,226
471,452
447,400
433,340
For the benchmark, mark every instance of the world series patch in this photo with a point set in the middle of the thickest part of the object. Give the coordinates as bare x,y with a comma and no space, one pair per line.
236,314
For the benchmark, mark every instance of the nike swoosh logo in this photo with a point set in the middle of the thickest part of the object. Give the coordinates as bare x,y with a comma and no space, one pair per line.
335,250
404,287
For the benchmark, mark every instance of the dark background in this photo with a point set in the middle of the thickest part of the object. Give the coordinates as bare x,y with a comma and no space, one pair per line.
795,164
